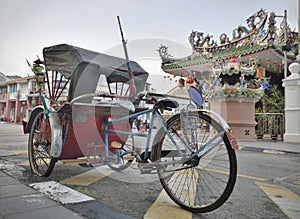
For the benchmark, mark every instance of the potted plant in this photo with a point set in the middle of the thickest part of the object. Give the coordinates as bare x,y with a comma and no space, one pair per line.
260,135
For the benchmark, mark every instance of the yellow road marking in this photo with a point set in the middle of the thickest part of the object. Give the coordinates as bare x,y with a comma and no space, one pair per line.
24,163
164,207
288,176
251,177
286,200
239,175
20,151
88,177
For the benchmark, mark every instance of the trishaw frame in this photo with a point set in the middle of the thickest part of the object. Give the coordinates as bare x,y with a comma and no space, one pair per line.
179,129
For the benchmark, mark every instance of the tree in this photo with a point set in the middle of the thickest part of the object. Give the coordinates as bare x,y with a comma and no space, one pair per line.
273,100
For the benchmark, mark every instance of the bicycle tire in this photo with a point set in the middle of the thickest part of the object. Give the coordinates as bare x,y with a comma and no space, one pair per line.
201,187
39,144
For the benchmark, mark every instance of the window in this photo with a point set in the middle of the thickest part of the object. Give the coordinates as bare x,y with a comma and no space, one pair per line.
3,90
13,88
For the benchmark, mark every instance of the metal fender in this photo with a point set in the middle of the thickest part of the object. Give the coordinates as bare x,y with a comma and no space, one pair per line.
224,124
56,130
27,125
220,119
56,135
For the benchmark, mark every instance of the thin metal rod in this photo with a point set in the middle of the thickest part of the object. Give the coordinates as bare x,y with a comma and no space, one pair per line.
285,41
52,75
62,90
57,88
49,91
124,45
54,87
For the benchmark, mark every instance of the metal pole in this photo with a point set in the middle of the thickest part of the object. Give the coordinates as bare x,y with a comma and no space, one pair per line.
132,87
298,56
124,45
285,40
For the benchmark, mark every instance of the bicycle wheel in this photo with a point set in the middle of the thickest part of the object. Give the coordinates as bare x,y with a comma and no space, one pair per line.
205,182
124,161
39,144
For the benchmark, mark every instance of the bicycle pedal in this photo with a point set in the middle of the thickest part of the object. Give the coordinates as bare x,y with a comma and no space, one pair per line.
116,145
129,158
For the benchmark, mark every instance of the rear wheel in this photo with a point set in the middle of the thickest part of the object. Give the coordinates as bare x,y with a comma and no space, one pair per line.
39,144
205,181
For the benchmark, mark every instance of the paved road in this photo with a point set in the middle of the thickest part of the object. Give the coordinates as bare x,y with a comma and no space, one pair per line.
268,185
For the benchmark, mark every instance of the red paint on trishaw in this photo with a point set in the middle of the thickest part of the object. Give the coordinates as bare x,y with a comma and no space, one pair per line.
232,140
84,141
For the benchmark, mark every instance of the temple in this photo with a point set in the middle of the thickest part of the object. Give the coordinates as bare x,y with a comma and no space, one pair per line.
234,71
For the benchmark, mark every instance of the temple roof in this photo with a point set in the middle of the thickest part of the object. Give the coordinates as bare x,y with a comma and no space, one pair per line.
242,50
258,40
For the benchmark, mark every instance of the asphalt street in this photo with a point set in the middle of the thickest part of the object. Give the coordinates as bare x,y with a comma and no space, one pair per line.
268,185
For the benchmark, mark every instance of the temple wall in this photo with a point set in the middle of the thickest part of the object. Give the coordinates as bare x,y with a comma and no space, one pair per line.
239,114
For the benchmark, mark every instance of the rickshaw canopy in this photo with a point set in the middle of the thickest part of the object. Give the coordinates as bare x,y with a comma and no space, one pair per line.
84,67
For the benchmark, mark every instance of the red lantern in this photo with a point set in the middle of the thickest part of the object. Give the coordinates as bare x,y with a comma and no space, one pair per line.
189,80
233,59
268,61
260,72
275,64
279,67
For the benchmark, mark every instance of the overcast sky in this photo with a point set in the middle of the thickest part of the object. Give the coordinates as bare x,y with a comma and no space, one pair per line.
27,26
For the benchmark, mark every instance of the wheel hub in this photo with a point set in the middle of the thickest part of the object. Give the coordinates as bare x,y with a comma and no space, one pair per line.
194,161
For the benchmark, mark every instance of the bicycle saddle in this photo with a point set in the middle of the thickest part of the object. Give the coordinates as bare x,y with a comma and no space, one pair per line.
168,104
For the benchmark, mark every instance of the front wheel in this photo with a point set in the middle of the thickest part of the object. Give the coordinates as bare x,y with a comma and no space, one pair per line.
39,144
195,162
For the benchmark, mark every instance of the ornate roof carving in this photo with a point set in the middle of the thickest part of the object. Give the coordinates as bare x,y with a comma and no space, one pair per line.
260,34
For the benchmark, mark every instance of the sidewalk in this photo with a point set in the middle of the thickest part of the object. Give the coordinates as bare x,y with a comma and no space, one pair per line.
18,201
271,145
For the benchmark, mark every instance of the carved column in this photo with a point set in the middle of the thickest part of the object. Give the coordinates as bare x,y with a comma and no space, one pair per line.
292,104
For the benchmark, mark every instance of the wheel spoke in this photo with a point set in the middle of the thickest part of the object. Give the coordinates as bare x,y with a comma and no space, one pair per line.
197,181
40,160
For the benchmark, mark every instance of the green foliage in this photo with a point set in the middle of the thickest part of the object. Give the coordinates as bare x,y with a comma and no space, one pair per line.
273,100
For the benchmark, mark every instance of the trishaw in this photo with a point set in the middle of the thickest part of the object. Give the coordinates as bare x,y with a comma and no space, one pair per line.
192,151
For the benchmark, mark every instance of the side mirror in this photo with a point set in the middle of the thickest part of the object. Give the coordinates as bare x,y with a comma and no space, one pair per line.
196,96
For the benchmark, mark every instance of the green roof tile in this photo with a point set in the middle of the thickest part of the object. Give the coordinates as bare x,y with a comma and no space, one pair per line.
222,54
